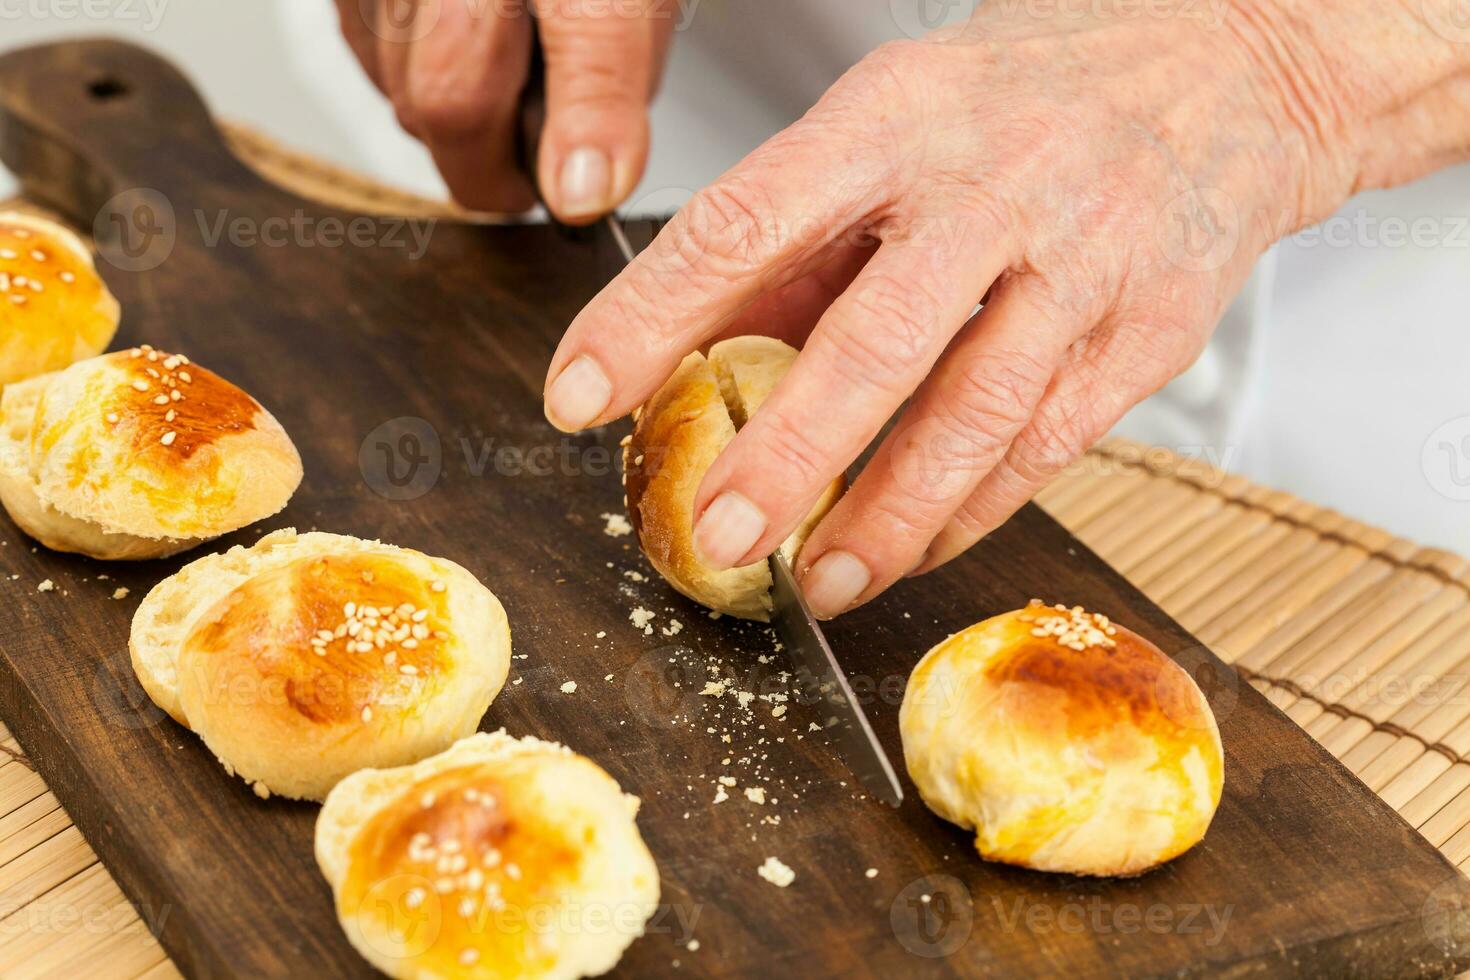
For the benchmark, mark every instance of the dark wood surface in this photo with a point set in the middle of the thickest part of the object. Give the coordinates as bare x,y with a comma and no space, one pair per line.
1303,872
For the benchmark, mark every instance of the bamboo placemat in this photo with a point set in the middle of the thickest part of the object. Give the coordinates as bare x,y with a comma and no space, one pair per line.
1360,637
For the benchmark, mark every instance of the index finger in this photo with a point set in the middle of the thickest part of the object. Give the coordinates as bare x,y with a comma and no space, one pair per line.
760,226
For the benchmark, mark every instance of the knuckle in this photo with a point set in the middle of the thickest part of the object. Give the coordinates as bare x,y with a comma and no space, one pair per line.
722,225
1054,439
446,104
905,521
995,392
888,334
799,462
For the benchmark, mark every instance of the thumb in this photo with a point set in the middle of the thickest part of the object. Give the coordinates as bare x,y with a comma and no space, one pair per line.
601,70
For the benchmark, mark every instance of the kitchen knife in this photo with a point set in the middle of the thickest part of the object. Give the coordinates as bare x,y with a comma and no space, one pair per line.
819,677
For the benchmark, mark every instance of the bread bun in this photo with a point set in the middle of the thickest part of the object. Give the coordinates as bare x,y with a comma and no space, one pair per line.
139,454
309,656
54,308
502,857
1066,742
678,435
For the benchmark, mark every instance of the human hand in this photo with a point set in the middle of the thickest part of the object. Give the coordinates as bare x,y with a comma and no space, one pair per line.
1106,183
455,72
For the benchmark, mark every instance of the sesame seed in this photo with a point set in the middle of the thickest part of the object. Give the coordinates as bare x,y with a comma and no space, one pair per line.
469,957
68,276
409,669
9,253
112,417
367,713
437,586
176,395
140,385
161,400
169,437
170,415
185,378
18,300
414,897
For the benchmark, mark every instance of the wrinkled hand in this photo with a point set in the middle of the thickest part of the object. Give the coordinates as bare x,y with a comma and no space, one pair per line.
455,70
1106,184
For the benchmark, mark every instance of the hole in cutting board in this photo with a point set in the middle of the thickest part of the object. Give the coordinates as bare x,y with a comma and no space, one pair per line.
107,88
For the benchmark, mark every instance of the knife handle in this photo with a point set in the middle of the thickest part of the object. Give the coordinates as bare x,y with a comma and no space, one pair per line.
530,123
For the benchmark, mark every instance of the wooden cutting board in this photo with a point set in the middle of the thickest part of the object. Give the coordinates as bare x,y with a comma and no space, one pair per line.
411,383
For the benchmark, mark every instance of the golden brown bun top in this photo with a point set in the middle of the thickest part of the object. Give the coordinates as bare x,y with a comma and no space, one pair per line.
1070,677
54,307
146,442
315,642
469,846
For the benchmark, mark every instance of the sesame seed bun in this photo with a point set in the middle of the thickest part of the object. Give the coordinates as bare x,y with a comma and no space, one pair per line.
54,307
306,657
139,454
501,857
679,433
1066,742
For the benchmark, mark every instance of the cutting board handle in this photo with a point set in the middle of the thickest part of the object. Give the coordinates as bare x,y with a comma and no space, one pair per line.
83,121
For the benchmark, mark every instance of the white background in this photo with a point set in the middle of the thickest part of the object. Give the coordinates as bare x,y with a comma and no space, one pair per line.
1360,349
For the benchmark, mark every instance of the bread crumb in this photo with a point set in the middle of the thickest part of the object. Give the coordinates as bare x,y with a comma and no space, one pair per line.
601,634
570,687
120,593
776,873
46,586
778,711
755,794
641,617
673,628
516,681
261,790
871,873
720,794
615,525
693,946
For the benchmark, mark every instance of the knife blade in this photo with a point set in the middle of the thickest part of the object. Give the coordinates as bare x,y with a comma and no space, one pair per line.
820,678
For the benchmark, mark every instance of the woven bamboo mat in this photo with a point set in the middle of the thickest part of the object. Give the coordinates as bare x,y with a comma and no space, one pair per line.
1360,637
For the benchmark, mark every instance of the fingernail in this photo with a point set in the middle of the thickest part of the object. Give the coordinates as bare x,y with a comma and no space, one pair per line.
834,583
586,182
730,527
578,395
